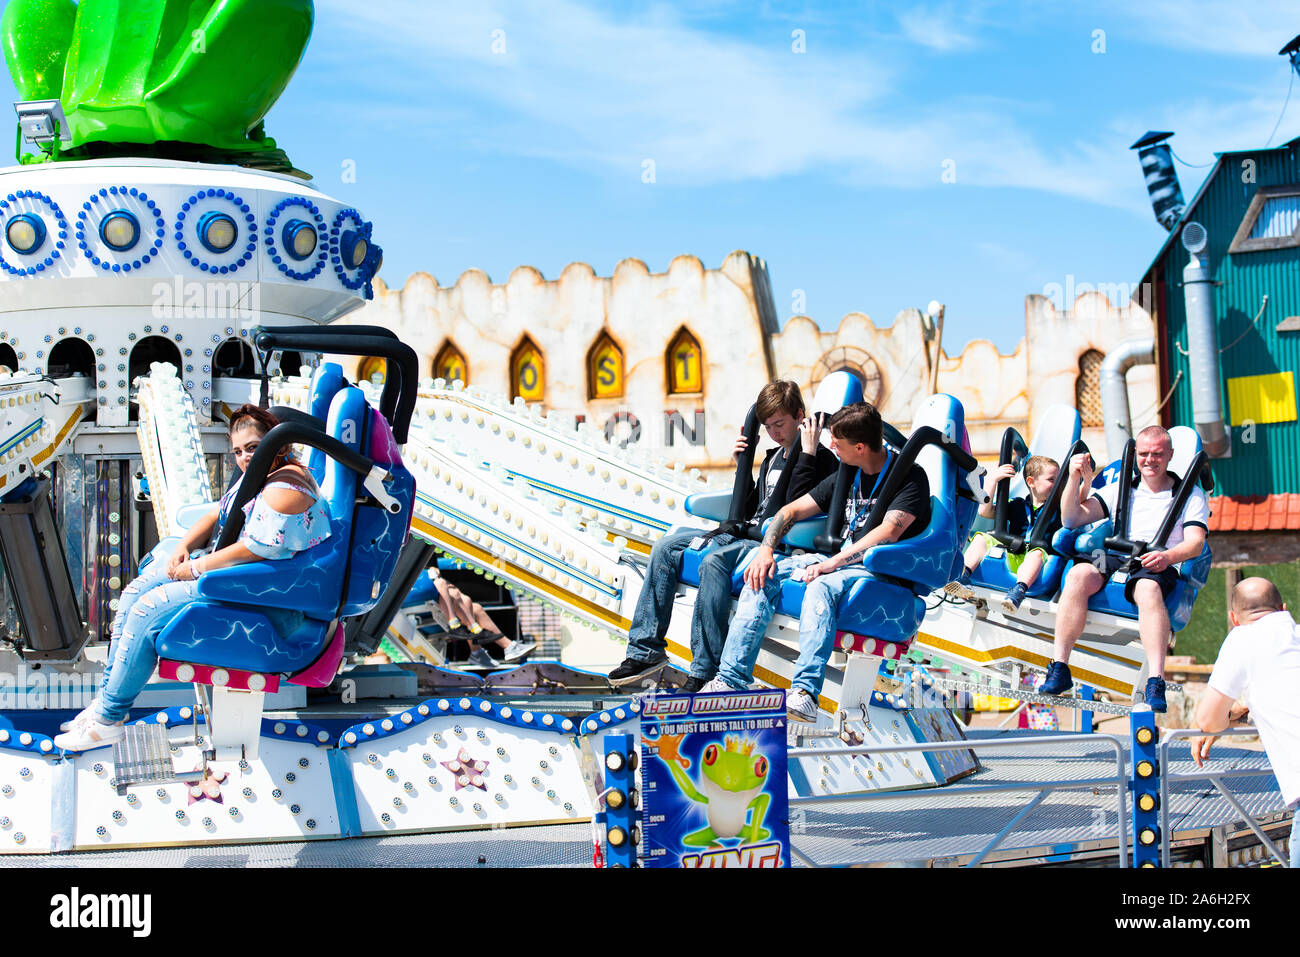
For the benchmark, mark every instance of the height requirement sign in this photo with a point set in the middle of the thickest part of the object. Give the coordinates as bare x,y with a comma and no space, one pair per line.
714,781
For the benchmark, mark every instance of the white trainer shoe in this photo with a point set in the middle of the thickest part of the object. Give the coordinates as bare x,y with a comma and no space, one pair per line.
717,685
88,734
801,706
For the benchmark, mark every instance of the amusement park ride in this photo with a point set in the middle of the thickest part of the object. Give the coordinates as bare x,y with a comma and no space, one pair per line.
161,266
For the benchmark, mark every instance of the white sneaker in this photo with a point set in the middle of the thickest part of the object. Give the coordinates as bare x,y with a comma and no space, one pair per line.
718,685
518,649
72,722
801,706
88,734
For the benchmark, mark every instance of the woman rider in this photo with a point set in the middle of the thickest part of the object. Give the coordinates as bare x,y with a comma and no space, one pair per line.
285,518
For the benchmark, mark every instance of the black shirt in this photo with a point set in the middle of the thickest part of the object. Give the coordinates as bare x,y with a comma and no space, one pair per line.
1021,516
912,497
808,471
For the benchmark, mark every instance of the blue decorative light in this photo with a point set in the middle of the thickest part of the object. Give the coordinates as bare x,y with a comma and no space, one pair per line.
275,243
120,229
19,201
449,707
217,232
299,239
355,266
143,210
238,212
25,233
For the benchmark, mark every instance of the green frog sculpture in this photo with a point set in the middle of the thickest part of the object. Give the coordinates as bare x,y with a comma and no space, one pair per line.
186,79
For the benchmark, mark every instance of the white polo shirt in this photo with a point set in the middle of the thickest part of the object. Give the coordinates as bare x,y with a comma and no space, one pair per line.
1260,664
1148,509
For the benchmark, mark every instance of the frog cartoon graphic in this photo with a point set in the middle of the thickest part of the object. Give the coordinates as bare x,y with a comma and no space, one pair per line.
729,784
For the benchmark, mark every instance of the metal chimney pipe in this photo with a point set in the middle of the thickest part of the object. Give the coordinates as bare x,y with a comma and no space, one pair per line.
1113,384
1203,349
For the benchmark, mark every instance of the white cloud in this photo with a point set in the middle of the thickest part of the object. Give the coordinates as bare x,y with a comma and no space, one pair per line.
938,29
1257,28
592,89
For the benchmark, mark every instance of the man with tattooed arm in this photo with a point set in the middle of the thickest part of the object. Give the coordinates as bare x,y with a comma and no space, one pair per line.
857,437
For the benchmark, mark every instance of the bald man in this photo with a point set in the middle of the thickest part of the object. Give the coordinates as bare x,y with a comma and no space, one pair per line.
1260,664
1152,579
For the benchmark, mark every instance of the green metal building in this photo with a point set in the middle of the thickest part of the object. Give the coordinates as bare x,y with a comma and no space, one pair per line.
1249,207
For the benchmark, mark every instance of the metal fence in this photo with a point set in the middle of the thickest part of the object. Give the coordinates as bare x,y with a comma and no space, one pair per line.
1119,781
1216,779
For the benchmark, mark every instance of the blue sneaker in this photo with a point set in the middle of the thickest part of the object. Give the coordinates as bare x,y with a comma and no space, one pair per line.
1154,696
1058,679
1015,595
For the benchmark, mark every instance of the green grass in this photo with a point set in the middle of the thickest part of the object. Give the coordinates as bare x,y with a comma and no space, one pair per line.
1209,622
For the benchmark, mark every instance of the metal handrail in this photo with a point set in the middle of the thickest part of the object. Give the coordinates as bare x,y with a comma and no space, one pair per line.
1119,782
1214,777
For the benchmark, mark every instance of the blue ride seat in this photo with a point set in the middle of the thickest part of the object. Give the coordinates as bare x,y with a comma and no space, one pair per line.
1057,433
342,576
1192,574
326,382
887,605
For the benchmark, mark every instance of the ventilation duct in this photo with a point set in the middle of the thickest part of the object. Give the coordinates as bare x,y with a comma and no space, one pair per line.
1203,345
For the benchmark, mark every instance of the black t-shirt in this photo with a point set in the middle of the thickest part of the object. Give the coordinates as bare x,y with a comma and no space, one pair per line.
912,497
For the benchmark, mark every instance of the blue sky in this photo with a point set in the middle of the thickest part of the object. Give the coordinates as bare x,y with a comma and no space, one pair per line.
496,134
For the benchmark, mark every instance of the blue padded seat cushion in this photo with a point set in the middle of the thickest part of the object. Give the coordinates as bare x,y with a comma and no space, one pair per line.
228,636
307,582
871,607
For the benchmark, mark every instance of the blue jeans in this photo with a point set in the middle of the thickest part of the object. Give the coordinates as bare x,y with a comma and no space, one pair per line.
153,575
817,618
654,606
132,656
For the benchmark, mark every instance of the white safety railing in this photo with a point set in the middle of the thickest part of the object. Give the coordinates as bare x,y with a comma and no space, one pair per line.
1119,781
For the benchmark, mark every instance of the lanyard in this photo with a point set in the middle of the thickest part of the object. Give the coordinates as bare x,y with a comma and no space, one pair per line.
857,485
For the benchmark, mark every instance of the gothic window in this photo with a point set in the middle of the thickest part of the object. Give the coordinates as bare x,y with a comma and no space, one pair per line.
685,360
1087,389
450,364
527,372
605,369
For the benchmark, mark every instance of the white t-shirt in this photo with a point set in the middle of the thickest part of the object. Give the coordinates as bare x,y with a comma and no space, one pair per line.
1148,510
1260,664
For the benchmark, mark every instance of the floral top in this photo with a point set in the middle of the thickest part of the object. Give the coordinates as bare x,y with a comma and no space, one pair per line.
273,535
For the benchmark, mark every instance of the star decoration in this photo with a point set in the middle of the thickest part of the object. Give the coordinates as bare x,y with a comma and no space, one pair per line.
208,789
467,771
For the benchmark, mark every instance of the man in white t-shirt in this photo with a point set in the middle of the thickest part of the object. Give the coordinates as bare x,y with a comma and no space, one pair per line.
1260,664
1151,579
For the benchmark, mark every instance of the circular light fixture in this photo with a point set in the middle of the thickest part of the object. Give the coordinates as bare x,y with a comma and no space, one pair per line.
1147,802
185,673
1194,237
25,233
353,249
617,837
298,239
1147,836
1145,769
615,799
614,761
1144,735
217,232
120,230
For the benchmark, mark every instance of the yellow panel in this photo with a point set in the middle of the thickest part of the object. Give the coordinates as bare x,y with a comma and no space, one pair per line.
686,373
606,371
451,365
373,370
1262,398
529,383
